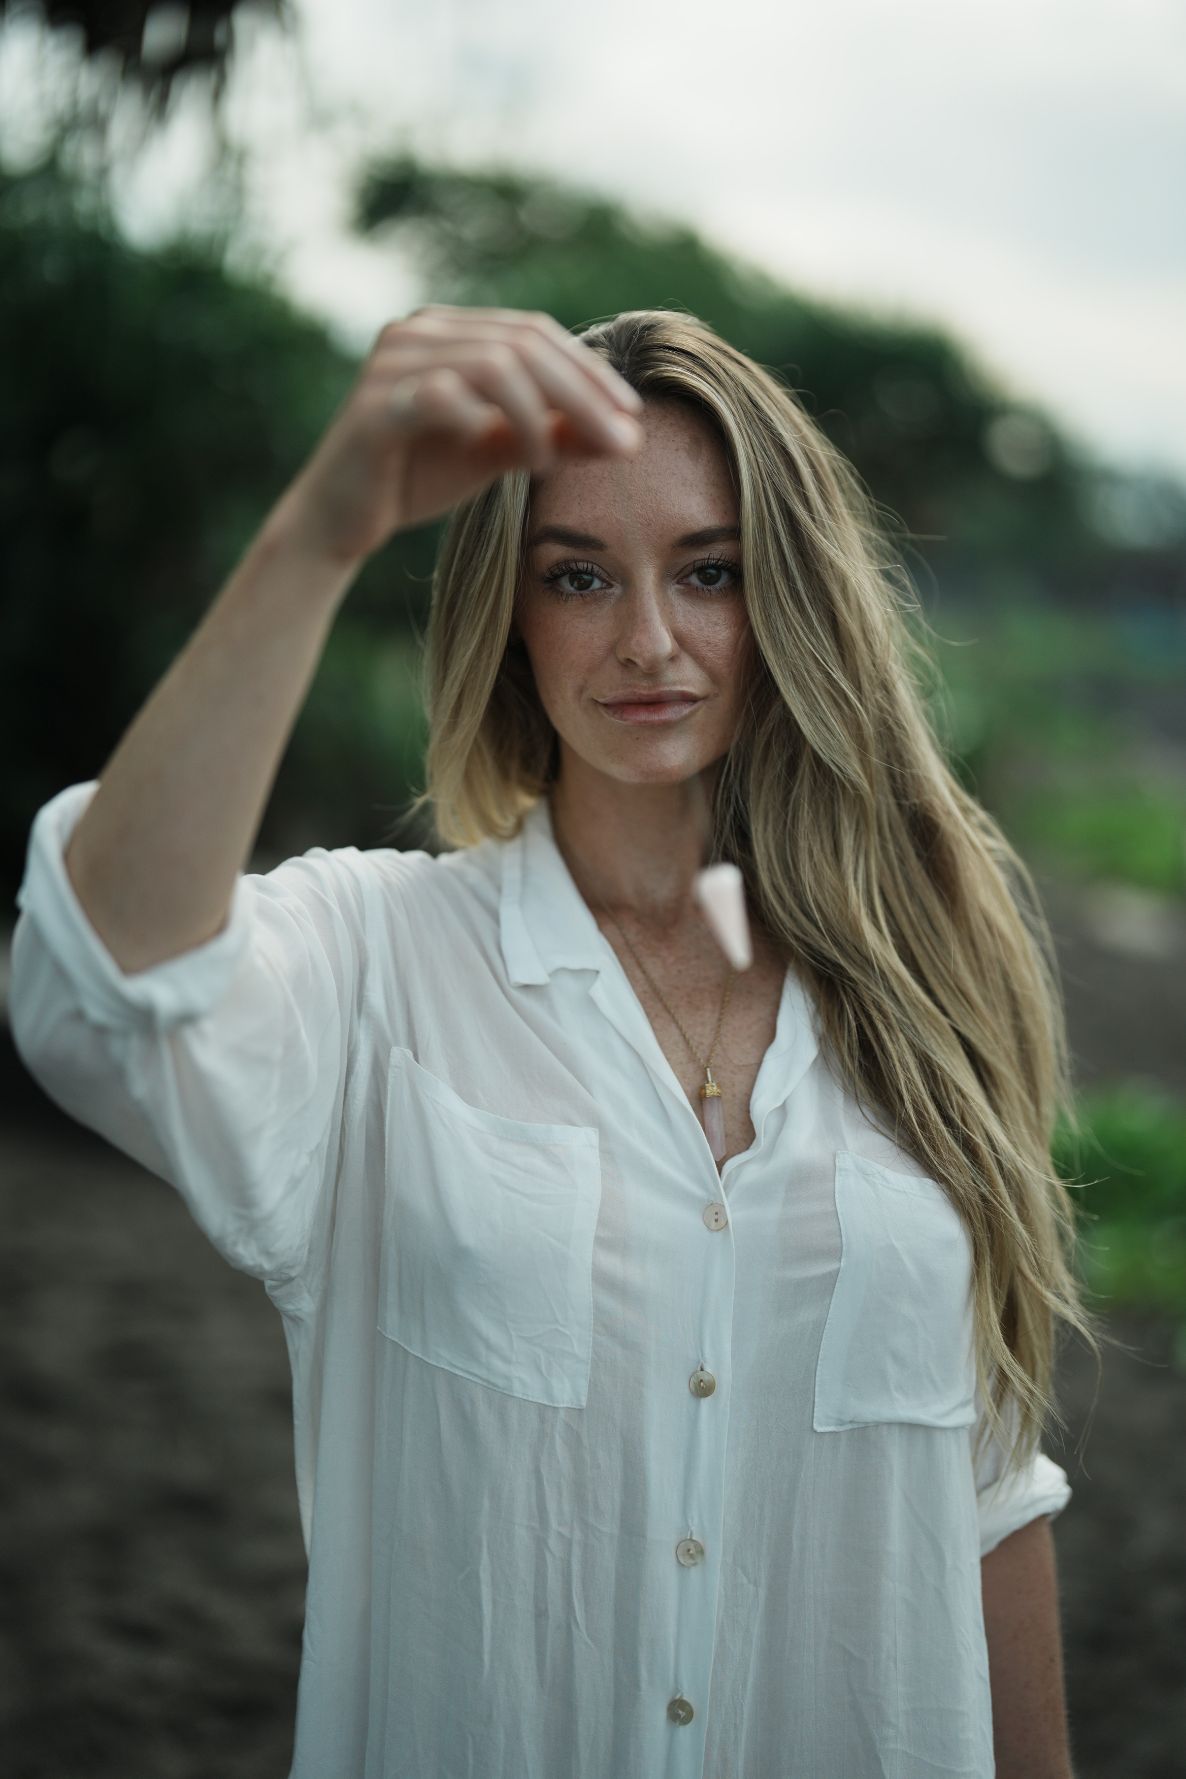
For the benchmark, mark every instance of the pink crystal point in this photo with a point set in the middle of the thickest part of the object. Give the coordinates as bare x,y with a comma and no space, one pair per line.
714,1124
720,891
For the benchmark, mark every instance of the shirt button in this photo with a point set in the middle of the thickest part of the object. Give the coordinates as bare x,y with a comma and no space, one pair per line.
715,1216
679,1710
689,1551
701,1382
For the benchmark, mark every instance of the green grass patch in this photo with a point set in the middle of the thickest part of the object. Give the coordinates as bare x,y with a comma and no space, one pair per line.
1031,711
1129,1178
1128,831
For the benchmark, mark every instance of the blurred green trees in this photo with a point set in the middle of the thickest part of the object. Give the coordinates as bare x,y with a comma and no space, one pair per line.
143,52
155,408
1129,1181
157,404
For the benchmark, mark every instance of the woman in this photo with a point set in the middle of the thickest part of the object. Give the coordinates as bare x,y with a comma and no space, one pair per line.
612,1459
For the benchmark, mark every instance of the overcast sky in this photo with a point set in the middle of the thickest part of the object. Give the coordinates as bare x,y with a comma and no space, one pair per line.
1014,170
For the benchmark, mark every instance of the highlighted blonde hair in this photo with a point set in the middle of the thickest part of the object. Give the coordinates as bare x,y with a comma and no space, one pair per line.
914,923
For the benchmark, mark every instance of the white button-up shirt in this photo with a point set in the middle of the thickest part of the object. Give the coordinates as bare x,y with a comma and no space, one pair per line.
609,1466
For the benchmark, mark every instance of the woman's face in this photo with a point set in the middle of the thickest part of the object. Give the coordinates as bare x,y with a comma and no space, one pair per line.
637,605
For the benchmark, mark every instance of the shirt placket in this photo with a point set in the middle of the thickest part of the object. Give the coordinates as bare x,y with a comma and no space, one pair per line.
699,1469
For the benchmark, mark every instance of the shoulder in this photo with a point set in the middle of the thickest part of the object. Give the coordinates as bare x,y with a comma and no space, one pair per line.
385,885
385,871
410,907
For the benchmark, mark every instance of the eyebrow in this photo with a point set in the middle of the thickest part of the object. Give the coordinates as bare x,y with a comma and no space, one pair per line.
584,540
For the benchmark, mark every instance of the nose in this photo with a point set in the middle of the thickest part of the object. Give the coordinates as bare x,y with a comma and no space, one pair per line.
645,635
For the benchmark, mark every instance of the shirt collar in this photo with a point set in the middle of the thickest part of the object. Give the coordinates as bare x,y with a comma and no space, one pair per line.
545,924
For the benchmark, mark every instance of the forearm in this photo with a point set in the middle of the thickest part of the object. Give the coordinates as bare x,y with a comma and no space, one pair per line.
155,855
1021,1621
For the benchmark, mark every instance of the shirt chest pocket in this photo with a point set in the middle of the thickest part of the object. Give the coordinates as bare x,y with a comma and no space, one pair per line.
898,1341
488,1225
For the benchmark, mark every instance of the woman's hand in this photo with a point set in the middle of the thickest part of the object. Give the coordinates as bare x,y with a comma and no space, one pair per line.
449,399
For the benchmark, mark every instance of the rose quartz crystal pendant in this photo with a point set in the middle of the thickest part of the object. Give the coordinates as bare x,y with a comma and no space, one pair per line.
720,891
713,1107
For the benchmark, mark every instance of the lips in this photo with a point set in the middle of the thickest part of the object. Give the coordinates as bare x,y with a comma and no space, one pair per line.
651,709
652,698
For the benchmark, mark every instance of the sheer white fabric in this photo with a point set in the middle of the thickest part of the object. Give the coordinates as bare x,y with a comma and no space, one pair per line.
608,1466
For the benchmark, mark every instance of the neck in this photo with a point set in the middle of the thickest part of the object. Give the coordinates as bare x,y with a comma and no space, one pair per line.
634,848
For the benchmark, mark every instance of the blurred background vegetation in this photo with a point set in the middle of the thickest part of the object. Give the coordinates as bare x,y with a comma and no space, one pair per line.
157,402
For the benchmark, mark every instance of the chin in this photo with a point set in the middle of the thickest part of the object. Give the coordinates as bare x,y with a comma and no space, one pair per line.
659,775
647,766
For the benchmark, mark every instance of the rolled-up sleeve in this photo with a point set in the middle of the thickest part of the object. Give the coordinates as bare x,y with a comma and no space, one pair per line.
223,1069
1006,1502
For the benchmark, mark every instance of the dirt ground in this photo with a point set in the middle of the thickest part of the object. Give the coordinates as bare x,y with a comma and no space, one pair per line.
151,1566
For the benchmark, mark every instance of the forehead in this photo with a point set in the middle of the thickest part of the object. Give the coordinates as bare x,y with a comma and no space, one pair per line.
679,481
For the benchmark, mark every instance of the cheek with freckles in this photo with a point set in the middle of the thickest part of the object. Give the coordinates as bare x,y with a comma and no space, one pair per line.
560,673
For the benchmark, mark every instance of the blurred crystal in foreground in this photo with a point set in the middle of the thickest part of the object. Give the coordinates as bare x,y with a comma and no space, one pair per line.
720,891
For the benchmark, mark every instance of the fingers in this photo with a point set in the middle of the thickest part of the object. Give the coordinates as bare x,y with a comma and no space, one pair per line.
589,363
449,395
497,371
527,366
519,322
440,397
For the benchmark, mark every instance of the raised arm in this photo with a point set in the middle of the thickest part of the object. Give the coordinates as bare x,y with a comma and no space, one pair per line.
448,399
215,1051
154,857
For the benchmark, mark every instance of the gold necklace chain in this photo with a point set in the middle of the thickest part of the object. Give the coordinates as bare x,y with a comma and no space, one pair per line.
706,1061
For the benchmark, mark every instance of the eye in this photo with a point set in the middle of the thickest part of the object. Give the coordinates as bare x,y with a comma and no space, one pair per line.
582,570
587,571
715,564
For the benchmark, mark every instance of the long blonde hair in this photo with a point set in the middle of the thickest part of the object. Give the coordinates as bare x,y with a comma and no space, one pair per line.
910,917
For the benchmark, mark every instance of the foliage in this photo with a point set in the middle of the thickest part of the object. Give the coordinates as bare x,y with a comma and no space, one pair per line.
1130,1180
120,40
1051,718
362,726
158,403
911,408
156,406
